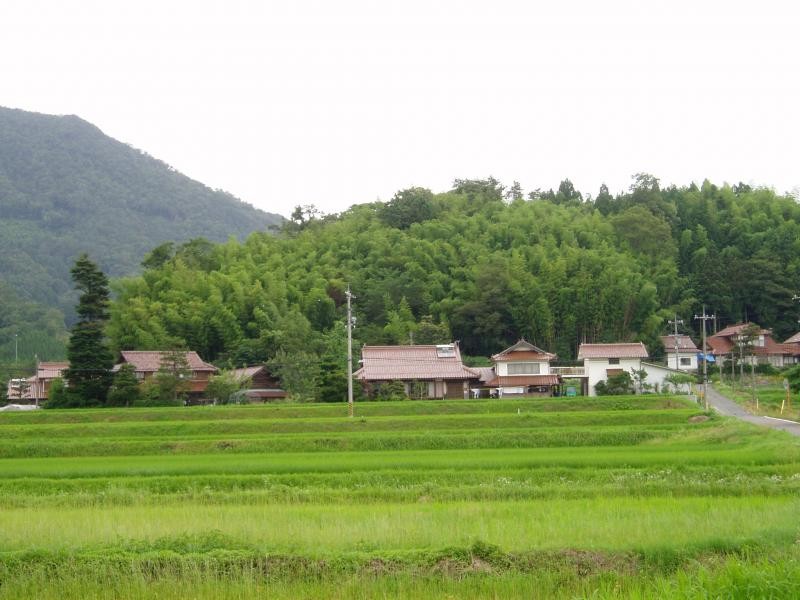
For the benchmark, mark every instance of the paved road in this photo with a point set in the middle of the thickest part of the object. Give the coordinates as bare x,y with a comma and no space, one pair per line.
729,408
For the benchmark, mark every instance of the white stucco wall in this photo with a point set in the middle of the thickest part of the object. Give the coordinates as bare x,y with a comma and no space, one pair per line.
596,369
692,356
657,374
501,367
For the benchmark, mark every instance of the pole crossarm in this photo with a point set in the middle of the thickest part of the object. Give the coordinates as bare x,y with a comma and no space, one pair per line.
676,321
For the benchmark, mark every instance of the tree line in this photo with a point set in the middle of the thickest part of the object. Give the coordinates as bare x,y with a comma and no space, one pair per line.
481,263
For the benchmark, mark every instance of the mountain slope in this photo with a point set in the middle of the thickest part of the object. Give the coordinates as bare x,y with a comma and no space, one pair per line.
66,188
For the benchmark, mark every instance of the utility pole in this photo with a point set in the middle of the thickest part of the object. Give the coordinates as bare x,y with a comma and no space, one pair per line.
16,350
704,317
349,352
676,322
36,384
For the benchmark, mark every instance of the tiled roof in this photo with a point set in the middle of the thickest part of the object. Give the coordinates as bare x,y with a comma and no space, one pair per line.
517,380
51,370
791,349
146,360
732,330
627,350
386,363
719,345
247,372
523,350
485,373
795,339
770,346
723,342
684,343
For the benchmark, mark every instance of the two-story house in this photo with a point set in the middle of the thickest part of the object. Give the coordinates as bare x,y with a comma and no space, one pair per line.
601,361
522,369
681,352
732,342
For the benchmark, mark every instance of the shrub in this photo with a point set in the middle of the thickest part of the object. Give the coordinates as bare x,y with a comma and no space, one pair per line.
152,394
616,385
391,390
125,389
58,395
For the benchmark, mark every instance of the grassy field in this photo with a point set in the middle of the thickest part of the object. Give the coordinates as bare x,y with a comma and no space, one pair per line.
642,497
769,393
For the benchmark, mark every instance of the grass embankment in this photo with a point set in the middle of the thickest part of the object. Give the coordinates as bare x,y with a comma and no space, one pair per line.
531,498
769,397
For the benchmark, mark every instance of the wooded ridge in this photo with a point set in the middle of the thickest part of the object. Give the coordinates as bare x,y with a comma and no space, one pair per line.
481,264
66,188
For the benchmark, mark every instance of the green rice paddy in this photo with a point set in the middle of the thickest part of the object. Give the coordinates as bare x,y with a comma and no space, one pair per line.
642,497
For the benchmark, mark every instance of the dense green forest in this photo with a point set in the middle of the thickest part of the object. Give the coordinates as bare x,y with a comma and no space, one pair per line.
481,264
66,188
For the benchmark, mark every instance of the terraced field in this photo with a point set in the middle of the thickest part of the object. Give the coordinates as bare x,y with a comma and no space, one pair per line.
585,497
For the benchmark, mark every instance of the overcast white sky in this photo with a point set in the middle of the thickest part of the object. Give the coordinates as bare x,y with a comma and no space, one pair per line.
336,103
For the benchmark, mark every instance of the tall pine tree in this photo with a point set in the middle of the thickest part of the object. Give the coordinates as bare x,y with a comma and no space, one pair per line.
90,361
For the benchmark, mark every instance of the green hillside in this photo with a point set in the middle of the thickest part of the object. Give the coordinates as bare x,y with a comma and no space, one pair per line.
66,188
480,265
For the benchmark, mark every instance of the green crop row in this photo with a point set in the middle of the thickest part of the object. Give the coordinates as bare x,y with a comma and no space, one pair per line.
335,410
338,442
477,571
612,524
645,455
175,429
638,495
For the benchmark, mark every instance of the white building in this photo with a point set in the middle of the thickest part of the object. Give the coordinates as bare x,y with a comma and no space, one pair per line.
601,361
657,376
523,369
681,352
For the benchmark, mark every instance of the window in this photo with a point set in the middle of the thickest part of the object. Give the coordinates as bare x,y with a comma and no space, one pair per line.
613,361
523,368
685,362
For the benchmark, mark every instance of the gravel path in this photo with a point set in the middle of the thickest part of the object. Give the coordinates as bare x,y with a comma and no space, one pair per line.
728,407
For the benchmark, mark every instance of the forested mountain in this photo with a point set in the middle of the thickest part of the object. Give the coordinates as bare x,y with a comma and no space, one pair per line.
480,264
66,188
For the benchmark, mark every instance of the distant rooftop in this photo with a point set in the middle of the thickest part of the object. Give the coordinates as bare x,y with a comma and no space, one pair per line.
623,350
386,363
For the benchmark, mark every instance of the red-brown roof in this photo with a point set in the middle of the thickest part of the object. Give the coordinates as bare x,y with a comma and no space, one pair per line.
522,380
724,341
247,372
523,350
736,329
719,345
150,361
51,370
791,349
387,363
684,342
626,350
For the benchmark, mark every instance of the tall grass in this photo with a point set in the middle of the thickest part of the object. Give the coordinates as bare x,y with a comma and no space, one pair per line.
589,523
588,497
